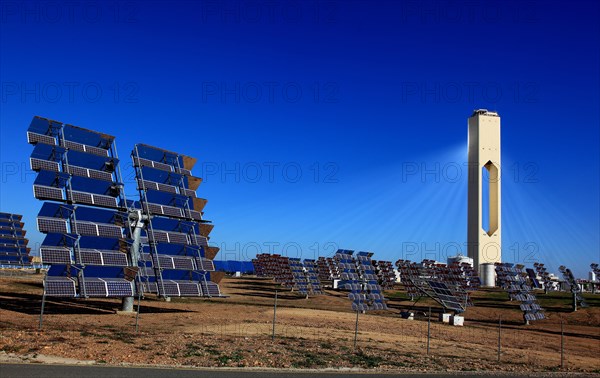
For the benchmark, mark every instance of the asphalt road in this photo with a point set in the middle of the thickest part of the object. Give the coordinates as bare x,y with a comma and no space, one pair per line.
70,371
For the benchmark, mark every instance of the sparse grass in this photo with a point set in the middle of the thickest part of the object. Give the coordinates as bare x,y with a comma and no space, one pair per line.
192,350
234,357
124,337
212,349
12,348
309,360
364,360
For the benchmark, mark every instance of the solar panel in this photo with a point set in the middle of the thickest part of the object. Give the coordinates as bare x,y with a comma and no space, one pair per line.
73,229
119,288
47,192
34,138
13,244
107,287
170,288
81,171
47,165
205,264
514,279
92,199
385,274
150,287
189,289
89,173
151,185
85,148
448,285
183,263
188,193
210,288
201,241
114,258
357,276
174,248
108,230
574,287
59,287
293,273
95,287
52,225
141,162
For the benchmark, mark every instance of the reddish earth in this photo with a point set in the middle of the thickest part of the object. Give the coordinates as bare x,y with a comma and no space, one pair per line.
310,333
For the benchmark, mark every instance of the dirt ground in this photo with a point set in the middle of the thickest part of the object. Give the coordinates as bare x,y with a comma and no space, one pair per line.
309,333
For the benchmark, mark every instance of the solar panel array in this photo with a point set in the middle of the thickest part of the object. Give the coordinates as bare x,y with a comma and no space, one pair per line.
385,274
596,269
273,266
515,280
574,287
13,244
312,276
84,214
358,275
532,274
293,273
327,269
409,271
176,260
449,285
542,272
85,217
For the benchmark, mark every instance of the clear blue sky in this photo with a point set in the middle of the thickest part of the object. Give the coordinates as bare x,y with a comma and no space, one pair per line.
325,124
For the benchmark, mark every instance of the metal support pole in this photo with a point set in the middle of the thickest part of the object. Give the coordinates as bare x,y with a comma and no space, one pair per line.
574,301
499,337
137,315
356,330
274,316
137,220
42,310
428,329
562,345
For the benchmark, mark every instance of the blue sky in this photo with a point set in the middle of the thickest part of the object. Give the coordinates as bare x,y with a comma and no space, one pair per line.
326,124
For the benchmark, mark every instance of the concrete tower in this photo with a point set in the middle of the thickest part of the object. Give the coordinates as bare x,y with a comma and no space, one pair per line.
483,213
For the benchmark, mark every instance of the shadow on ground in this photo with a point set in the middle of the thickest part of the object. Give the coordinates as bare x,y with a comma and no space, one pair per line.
30,304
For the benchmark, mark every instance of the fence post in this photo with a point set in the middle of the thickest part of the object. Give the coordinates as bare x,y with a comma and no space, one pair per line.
428,329
562,345
356,329
499,337
274,316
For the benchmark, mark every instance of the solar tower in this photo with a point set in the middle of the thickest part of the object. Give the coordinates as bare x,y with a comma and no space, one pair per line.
484,194
13,244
